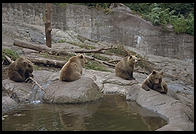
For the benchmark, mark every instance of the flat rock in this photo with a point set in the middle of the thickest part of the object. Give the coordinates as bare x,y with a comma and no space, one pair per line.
82,90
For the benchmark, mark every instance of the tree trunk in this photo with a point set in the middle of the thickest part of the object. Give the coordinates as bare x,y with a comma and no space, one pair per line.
48,28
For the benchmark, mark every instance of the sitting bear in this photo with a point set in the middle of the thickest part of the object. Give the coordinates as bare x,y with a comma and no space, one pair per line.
125,67
72,70
20,70
154,81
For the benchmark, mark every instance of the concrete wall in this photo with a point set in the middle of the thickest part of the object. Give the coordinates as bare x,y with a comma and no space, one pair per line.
118,26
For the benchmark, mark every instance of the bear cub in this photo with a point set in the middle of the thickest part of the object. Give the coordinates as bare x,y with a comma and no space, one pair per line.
72,70
155,82
125,67
20,70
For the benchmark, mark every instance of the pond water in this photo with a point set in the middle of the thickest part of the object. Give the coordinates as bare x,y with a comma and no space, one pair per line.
111,113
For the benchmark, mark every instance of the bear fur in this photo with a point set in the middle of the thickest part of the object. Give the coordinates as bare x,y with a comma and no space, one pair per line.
72,70
125,67
155,82
20,70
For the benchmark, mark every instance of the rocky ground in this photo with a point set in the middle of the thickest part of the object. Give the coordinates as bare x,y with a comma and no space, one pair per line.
178,74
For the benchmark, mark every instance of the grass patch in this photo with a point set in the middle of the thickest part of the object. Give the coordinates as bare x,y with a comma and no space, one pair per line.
10,53
95,66
61,41
98,56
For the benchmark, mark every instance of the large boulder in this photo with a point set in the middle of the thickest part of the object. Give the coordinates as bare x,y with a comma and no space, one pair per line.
178,115
82,90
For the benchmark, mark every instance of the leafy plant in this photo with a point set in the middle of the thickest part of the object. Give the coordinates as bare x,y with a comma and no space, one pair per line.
10,53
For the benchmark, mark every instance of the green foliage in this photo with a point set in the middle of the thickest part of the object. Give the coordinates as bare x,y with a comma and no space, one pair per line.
179,24
179,8
179,15
61,41
96,66
10,53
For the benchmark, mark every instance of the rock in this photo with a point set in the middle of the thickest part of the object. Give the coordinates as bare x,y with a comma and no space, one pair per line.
114,84
82,90
8,104
20,90
177,114
132,92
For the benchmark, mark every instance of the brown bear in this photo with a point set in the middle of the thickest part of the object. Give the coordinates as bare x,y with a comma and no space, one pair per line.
72,70
20,70
155,81
125,67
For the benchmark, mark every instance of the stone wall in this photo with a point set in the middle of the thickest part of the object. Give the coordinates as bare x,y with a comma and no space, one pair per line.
118,26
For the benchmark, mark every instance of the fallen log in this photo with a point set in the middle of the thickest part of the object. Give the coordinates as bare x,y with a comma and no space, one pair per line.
47,62
56,63
28,45
93,51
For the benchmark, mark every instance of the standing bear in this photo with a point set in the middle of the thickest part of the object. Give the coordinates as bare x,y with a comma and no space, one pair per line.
125,67
20,70
72,70
155,82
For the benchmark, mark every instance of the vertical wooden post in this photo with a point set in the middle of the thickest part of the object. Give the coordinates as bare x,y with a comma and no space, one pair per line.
48,28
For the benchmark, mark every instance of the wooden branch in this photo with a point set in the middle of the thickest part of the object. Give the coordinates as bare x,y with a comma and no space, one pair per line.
93,51
34,81
28,45
9,59
39,48
47,62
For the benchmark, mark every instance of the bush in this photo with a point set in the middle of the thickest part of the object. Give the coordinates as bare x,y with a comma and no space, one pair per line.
180,15
10,53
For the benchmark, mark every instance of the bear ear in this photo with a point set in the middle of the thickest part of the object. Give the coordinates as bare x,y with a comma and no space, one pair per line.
130,56
81,56
154,72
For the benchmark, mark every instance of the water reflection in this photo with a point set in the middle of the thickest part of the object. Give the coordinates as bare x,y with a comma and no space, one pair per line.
111,113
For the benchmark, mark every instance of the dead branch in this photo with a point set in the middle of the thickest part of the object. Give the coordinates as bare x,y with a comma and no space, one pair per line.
93,51
9,59
28,45
34,81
